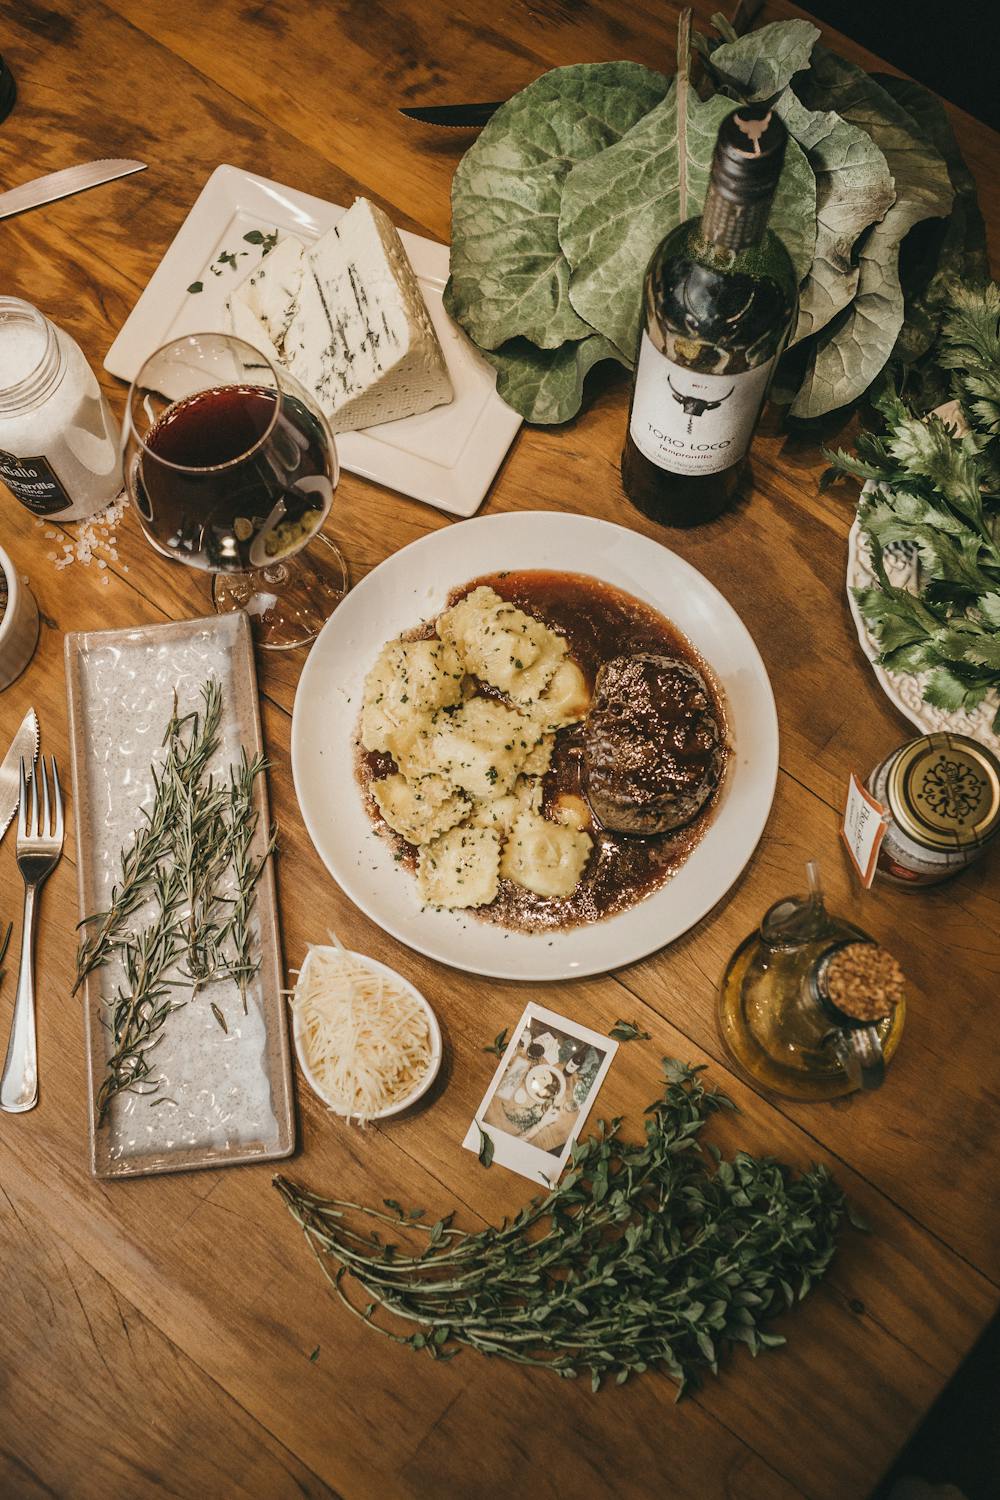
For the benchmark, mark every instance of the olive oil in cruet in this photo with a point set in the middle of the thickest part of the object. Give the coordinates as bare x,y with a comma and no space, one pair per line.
810,1006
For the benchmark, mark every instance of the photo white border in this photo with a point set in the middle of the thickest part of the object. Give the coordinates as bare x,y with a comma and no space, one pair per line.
521,1156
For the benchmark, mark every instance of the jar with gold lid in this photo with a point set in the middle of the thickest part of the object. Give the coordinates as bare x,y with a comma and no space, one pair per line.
940,796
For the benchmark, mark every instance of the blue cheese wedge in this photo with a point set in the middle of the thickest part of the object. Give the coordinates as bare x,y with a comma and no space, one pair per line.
262,307
361,338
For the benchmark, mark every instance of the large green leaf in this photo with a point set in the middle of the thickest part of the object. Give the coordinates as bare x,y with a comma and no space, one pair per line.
853,190
619,205
508,274
763,62
852,350
546,385
955,251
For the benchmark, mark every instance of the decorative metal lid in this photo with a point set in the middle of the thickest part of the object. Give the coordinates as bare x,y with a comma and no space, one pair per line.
944,791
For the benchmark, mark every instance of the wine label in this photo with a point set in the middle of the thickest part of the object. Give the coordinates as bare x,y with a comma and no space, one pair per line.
863,829
692,423
34,483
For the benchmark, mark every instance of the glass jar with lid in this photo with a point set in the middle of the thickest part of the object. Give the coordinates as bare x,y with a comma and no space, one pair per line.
59,442
940,798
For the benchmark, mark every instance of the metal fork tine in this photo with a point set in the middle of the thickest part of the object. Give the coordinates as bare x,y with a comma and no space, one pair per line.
33,828
22,828
57,797
43,828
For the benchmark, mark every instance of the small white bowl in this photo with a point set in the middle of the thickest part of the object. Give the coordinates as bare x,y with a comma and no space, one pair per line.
18,627
437,1049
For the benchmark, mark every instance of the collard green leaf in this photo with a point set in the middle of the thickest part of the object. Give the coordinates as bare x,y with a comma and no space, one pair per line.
546,385
853,349
853,190
763,62
951,251
509,277
618,206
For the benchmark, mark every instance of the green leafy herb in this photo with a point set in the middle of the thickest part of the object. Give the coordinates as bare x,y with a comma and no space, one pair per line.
196,286
651,1254
266,242
314,1356
498,1048
629,1031
485,1147
940,492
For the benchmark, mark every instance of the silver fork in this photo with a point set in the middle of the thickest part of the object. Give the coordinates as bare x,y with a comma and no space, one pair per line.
38,848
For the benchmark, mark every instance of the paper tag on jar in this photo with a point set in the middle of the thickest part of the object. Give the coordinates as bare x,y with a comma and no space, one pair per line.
863,830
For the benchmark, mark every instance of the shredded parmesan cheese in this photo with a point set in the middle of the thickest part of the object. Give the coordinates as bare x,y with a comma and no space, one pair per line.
365,1036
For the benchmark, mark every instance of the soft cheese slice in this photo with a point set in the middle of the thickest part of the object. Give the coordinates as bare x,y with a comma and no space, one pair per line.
361,337
263,305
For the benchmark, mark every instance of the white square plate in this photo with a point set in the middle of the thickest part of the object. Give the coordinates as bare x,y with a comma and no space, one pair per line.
447,457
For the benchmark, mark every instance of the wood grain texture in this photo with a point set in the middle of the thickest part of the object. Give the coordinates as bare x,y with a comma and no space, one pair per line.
195,1295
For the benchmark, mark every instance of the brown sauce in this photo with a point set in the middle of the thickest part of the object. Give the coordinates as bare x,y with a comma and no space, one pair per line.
599,622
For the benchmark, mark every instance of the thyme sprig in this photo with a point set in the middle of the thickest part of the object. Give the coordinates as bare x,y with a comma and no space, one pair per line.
642,1256
193,866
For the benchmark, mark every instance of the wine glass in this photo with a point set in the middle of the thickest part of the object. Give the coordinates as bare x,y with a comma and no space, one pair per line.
231,467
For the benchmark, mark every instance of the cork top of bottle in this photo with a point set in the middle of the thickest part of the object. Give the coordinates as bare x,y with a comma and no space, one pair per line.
749,153
863,981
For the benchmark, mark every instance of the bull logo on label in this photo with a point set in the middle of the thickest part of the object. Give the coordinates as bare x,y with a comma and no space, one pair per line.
694,406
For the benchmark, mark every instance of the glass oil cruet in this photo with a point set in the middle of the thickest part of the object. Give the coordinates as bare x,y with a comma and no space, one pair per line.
810,1006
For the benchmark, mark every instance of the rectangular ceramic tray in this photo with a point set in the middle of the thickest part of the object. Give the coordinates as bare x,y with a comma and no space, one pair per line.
225,1097
447,457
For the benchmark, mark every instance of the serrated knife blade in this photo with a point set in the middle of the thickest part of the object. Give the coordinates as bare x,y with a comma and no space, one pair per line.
63,184
24,743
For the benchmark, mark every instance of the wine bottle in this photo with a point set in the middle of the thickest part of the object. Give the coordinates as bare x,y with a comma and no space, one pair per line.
718,300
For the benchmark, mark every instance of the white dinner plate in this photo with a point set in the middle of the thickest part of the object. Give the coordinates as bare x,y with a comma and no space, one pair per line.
447,457
413,585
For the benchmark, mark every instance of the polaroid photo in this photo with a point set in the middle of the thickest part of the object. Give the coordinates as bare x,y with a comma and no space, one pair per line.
541,1093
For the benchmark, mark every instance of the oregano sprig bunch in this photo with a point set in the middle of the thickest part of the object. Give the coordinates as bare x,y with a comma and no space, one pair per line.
651,1254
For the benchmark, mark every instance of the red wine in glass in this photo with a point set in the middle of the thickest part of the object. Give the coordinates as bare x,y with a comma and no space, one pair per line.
234,477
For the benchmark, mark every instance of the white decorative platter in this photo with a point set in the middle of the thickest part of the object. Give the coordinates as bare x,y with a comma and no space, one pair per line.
906,690
413,585
447,457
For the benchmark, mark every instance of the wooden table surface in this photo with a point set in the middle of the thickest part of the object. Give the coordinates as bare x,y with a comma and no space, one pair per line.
157,1333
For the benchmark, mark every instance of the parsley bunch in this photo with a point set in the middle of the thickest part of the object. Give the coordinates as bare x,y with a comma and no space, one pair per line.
938,488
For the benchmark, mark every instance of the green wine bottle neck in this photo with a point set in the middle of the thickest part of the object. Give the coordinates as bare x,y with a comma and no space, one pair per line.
730,224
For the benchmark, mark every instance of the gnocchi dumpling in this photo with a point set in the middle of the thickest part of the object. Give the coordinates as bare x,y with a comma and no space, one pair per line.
547,858
500,812
420,810
566,700
408,679
538,759
481,747
502,645
460,868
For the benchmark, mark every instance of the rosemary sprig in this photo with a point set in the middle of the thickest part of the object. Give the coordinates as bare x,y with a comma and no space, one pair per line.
642,1256
192,864
191,742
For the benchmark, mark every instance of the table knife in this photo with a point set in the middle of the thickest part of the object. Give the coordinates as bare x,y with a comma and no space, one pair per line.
453,116
24,743
55,185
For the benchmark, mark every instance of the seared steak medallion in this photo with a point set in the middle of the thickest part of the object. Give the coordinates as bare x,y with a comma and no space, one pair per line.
652,744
